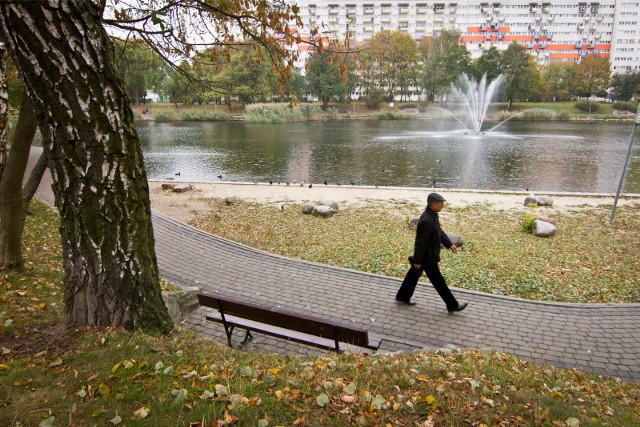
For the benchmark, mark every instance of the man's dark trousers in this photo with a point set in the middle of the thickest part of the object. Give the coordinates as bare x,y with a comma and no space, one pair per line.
432,271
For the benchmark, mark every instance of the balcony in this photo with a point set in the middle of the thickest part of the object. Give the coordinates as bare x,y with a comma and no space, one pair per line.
368,29
496,10
368,10
404,10
587,19
580,28
542,45
438,19
536,36
550,19
483,27
530,45
487,36
386,10
533,10
500,36
333,20
545,10
578,45
385,19
538,18
422,10
333,11
501,19
452,18
592,45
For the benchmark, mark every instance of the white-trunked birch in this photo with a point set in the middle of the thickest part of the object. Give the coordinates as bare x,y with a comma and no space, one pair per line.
65,58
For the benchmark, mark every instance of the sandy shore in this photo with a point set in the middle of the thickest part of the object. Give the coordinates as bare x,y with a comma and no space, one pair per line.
185,206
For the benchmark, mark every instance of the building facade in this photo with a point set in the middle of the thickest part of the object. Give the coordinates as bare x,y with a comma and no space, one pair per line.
554,31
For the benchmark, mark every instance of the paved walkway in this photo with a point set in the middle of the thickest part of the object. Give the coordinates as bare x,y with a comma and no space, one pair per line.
590,337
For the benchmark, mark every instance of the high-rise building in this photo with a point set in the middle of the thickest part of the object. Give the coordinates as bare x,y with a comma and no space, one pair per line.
554,31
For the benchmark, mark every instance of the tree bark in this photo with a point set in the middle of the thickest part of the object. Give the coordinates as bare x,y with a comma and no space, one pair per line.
12,205
4,109
66,60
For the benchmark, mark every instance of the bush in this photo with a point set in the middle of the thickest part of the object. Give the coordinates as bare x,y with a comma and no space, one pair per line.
587,105
373,102
526,223
163,116
409,105
280,113
627,106
388,115
204,116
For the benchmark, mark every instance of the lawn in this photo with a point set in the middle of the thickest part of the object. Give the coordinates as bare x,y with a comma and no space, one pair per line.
50,376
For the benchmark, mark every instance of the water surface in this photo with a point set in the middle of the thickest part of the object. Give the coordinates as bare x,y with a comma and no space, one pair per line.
539,156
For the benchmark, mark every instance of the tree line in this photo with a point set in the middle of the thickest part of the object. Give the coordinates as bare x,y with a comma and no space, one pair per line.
389,66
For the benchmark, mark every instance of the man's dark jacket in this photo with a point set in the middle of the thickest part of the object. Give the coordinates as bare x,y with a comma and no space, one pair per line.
429,236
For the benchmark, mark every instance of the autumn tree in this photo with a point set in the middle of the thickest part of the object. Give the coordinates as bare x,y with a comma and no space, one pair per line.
392,55
592,76
65,58
330,75
139,67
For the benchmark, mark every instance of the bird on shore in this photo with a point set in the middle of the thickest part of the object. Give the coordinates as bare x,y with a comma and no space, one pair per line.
302,184
270,182
325,183
220,176
287,182
434,183
282,208
177,173
228,202
310,185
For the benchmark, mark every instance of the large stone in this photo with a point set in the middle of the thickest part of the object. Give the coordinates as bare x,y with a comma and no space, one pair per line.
531,200
545,201
323,211
182,189
546,219
181,303
168,186
413,224
331,203
455,239
307,208
543,229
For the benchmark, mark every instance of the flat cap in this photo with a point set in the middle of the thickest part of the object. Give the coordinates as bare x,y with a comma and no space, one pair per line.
435,197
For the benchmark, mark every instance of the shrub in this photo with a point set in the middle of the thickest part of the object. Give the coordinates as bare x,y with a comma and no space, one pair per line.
163,116
280,113
388,115
409,105
628,106
373,102
587,105
526,223
204,116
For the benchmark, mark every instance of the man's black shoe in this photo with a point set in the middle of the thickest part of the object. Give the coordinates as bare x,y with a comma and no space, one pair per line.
406,302
460,307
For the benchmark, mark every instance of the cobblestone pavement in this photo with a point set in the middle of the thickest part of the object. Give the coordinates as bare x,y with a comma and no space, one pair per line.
591,337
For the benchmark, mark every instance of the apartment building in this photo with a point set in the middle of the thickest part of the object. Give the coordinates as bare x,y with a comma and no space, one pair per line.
560,30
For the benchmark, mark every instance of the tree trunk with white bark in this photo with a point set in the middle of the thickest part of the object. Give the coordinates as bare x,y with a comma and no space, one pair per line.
65,58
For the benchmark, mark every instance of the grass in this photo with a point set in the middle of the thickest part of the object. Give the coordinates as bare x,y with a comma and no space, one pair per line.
82,377
585,262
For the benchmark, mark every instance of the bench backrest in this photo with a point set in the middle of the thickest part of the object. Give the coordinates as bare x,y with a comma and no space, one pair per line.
285,319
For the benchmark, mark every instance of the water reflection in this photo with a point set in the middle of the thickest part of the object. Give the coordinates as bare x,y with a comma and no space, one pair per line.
541,156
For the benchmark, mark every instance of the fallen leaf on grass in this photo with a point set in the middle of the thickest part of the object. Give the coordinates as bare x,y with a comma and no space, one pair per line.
142,412
300,420
322,399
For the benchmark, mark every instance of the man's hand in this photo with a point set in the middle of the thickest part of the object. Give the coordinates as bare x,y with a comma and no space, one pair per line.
454,249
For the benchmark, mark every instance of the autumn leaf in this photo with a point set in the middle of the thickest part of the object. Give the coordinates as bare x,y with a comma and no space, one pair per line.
115,368
322,399
350,389
116,420
104,389
299,420
142,412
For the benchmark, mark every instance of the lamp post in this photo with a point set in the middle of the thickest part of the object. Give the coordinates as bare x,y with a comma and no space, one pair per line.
624,168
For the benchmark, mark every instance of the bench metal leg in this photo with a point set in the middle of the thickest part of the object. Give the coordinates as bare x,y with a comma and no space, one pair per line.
247,337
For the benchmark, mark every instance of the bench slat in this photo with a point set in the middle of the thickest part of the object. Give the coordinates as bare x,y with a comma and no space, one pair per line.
287,320
278,332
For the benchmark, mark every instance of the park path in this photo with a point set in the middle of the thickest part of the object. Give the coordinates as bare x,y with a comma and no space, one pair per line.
590,337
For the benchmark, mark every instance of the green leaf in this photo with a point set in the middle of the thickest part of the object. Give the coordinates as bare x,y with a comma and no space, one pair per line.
246,371
572,422
378,402
322,399
263,423
350,389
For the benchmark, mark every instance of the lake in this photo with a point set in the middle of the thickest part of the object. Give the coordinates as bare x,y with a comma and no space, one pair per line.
539,156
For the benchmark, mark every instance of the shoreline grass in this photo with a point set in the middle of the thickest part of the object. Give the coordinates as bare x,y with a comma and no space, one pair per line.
50,376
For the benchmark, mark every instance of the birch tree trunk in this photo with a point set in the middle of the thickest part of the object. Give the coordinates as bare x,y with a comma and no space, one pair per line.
65,58
12,204
4,108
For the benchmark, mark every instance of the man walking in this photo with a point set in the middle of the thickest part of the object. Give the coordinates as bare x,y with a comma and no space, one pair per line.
426,256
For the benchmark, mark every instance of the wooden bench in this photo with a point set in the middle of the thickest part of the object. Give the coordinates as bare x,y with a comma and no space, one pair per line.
283,324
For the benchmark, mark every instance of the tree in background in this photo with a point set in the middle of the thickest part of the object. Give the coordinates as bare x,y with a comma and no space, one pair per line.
139,67
625,87
327,74
489,63
592,76
444,59
557,80
392,56
91,144
521,76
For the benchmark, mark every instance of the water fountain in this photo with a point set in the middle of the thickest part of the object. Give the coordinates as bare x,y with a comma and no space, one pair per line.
475,96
